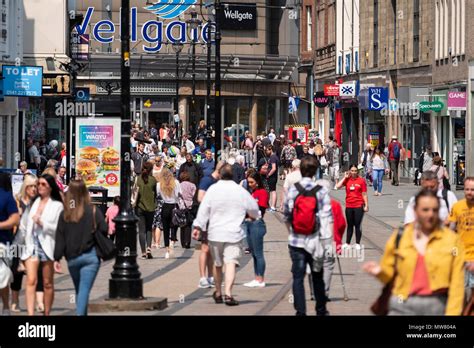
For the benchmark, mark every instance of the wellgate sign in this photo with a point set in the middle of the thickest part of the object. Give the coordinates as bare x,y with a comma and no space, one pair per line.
153,32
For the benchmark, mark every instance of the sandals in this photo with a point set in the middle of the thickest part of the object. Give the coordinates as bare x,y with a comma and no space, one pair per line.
230,301
217,299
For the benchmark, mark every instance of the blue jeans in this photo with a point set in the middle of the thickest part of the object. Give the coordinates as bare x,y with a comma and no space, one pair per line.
377,177
256,230
300,258
83,270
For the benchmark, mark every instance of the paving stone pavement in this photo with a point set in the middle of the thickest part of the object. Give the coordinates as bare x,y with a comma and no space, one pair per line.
177,278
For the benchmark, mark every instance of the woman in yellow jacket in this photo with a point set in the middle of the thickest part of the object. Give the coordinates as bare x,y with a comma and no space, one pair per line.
429,265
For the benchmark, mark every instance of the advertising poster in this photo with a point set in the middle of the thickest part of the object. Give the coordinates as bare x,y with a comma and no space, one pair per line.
98,153
374,139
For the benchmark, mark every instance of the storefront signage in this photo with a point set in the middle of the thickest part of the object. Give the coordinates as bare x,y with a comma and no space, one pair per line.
457,101
2,95
393,105
82,94
22,81
238,17
427,106
152,32
98,153
347,90
320,100
378,98
331,90
57,84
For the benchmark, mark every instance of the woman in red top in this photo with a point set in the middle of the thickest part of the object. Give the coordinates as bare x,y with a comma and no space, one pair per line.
357,203
257,229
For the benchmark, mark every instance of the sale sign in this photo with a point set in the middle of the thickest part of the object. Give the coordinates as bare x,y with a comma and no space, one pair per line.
98,153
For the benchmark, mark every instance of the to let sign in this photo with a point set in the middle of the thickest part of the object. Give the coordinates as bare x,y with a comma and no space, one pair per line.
457,101
22,81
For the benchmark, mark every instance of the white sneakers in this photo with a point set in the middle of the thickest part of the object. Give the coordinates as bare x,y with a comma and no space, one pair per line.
206,283
255,284
347,246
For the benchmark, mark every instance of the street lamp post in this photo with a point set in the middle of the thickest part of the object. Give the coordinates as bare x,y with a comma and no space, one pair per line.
193,23
126,282
177,47
218,100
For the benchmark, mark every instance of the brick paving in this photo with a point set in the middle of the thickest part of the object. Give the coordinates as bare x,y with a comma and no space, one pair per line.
177,278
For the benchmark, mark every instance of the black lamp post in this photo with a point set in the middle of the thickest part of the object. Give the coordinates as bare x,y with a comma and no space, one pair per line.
177,48
218,100
193,23
126,282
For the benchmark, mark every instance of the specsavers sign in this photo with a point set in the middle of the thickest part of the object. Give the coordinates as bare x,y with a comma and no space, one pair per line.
98,153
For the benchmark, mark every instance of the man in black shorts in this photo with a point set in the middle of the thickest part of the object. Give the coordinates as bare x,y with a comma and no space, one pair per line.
270,174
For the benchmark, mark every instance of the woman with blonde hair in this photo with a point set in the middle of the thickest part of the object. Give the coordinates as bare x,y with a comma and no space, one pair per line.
39,229
75,241
170,190
24,199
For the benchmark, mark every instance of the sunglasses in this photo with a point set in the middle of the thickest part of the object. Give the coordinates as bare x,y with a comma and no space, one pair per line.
45,184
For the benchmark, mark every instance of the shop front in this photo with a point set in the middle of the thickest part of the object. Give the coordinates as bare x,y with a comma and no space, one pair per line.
451,130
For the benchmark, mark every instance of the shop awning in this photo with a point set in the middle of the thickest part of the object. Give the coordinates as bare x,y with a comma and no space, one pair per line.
233,67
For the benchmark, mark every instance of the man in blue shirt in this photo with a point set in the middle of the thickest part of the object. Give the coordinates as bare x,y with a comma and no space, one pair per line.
9,218
199,149
208,164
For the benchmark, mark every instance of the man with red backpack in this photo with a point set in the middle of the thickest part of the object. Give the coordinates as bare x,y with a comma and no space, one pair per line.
309,219
395,151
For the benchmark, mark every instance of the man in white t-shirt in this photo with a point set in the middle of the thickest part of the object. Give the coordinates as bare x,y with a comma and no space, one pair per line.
291,179
447,198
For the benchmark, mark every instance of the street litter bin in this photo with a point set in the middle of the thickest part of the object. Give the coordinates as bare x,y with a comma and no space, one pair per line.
99,197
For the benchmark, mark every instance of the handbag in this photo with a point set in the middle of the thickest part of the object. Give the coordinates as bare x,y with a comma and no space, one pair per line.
104,246
180,216
264,169
381,306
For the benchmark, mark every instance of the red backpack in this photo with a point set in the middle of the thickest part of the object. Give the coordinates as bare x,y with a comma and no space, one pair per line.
304,219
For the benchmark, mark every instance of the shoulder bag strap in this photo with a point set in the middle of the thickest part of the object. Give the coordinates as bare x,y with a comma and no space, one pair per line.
397,243
94,223
184,202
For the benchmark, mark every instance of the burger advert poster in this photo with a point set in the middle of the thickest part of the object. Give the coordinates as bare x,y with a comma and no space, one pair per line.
98,153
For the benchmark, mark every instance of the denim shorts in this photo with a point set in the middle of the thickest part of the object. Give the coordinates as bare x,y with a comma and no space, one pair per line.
38,251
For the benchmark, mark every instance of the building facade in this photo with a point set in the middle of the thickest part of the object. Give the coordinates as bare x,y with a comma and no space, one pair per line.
396,50
453,53
11,53
258,64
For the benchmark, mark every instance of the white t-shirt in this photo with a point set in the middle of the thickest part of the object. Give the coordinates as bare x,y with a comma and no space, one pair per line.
443,209
292,179
174,198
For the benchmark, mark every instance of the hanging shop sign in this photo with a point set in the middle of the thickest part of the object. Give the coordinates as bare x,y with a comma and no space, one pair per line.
238,17
378,98
427,106
57,85
22,81
347,90
331,90
153,33
320,100
457,101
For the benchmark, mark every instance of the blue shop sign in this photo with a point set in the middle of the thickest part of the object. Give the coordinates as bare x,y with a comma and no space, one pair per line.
378,98
22,81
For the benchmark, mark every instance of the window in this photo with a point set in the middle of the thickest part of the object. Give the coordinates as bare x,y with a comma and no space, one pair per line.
437,31
376,34
416,30
309,28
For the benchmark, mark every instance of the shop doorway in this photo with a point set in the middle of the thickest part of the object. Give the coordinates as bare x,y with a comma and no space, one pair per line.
158,118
